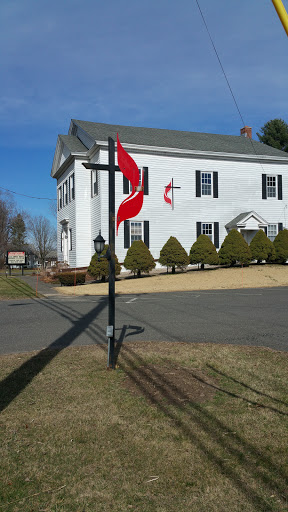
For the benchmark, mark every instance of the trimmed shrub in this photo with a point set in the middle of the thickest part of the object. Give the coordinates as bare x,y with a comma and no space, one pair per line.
173,255
139,258
262,248
68,278
281,246
204,251
100,269
233,249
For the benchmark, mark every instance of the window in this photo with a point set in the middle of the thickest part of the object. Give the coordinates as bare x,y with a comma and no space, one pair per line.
127,188
272,230
70,239
94,183
59,198
139,182
210,229
271,186
65,194
206,183
207,229
72,186
62,240
136,231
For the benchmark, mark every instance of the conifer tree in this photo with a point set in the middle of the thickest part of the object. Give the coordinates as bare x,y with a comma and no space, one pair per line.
173,255
204,251
233,249
100,269
281,246
262,248
139,258
17,232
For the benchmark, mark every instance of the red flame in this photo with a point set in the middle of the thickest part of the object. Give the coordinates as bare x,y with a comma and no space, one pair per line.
167,190
132,205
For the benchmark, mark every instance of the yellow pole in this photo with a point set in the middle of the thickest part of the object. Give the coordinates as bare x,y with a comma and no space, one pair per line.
282,14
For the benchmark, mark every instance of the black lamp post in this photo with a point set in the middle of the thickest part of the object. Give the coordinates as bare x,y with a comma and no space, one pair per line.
110,255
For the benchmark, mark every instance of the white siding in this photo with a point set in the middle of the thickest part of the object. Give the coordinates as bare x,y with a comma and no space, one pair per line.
239,191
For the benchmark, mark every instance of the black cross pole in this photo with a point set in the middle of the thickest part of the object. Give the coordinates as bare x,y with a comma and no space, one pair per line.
173,193
111,168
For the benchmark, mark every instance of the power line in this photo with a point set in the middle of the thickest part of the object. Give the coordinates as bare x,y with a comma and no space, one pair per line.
31,197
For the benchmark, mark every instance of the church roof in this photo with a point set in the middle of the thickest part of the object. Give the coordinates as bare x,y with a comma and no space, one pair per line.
206,142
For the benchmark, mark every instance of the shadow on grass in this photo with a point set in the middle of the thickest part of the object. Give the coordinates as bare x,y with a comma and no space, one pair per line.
251,389
17,381
212,436
19,287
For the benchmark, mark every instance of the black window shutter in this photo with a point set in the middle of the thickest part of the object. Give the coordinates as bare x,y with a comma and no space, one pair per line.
146,233
198,183
216,234
198,228
126,234
279,186
146,183
265,230
69,190
264,192
215,184
125,185
280,226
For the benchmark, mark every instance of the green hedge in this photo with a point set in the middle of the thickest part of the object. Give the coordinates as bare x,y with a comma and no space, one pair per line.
68,278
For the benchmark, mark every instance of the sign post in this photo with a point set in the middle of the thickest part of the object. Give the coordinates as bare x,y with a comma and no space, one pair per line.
16,258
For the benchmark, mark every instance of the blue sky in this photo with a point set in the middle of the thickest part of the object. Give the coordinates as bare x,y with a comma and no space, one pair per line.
147,63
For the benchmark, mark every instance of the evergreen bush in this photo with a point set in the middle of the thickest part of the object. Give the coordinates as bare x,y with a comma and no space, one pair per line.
262,248
233,249
71,278
100,269
204,251
281,246
139,258
173,255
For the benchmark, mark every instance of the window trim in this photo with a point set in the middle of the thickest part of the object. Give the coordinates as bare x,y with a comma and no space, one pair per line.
212,230
94,183
72,186
203,185
272,237
269,187
59,198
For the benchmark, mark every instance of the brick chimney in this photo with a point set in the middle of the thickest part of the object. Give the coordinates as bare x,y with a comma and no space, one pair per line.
246,131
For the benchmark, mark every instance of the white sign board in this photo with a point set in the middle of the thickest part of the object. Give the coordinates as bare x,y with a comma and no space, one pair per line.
16,258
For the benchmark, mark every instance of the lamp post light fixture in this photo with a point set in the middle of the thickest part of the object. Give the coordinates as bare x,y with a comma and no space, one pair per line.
99,244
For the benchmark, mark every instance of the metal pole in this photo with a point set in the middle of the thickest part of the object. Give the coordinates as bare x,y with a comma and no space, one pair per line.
280,9
111,313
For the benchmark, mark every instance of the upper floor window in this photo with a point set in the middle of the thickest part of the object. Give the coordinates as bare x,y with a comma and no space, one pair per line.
59,198
65,193
271,186
72,186
127,188
206,184
94,183
139,181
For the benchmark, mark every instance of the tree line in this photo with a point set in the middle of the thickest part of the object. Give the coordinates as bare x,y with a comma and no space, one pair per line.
20,231
234,249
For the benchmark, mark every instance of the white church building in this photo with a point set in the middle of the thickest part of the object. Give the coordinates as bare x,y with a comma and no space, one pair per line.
224,182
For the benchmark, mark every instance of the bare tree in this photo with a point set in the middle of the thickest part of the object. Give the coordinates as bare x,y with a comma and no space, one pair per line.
43,236
7,211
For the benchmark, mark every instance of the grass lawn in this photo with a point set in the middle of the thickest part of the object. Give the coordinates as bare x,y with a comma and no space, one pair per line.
13,288
176,427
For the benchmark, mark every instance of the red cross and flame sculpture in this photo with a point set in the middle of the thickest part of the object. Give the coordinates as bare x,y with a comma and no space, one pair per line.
132,205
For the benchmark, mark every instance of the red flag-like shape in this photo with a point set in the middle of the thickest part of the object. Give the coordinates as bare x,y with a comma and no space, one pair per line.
132,205
167,190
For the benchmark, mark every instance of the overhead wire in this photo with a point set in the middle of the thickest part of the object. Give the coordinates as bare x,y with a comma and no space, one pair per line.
25,195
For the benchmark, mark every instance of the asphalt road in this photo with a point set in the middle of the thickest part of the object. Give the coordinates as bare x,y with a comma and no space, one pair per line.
255,317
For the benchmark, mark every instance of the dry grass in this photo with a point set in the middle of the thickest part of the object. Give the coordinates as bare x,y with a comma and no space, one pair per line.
13,288
176,427
254,276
